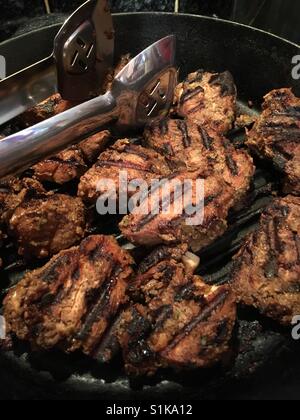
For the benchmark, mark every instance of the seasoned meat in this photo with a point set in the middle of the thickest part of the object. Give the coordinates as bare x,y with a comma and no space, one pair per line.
138,162
267,269
209,99
276,135
72,163
170,221
61,168
13,192
178,320
45,226
125,59
51,106
191,147
94,145
69,303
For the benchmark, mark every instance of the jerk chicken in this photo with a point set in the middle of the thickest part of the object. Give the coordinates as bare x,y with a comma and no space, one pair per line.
70,302
267,269
138,162
174,220
276,135
209,99
188,146
41,223
175,320
44,226
72,163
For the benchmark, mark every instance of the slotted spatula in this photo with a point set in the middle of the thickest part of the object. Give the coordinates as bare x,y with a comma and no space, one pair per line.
143,90
83,53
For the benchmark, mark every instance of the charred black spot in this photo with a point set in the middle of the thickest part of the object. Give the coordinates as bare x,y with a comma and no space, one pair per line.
222,331
52,271
225,81
190,93
182,126
206,139
139,353
161,315
163,126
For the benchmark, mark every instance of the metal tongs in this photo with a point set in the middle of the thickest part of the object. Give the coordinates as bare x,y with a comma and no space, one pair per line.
82,55
143,90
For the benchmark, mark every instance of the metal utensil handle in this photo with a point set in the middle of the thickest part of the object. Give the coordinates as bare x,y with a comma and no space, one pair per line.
27,88
22,150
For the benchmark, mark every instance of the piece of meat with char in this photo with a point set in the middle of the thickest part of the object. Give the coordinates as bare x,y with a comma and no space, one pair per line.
177,321
182,211
70,302
138,163
188,146
45,225
267,269
276,135
209,99
72,163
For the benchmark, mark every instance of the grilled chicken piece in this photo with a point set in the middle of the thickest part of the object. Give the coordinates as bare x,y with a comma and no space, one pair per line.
191,147
267,269
13,192
179,321
51,106
171,220
209,99
70,302
276,135
138,162
45,226
72,163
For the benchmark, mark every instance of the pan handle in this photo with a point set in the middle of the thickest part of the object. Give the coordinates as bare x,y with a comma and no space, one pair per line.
20,151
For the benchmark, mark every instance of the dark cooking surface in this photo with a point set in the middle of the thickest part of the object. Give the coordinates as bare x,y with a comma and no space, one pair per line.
267,364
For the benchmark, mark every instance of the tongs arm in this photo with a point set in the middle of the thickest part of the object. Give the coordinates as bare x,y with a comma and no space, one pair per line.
22,150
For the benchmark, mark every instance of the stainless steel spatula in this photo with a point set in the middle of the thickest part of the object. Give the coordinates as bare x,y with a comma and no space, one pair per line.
83,53
143,90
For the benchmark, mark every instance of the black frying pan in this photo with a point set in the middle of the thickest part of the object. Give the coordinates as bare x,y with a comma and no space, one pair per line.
259,62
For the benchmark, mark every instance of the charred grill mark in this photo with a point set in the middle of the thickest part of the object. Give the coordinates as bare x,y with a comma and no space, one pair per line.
187,292
190,93
271,267
163,126
232,165
134,151
154,259
225,81
230,162
98,310
139,326
297,242
290,111
161,315
164,203
202,317
168,150
196,108
208,141
182,127
70,161
122,165
51,273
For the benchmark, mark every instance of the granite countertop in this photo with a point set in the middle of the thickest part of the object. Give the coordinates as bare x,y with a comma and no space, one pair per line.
17,15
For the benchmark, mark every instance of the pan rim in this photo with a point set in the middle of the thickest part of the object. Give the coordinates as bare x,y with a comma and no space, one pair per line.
201,17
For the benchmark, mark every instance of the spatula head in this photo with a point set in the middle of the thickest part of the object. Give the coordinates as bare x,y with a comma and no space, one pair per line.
144,89
84,50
